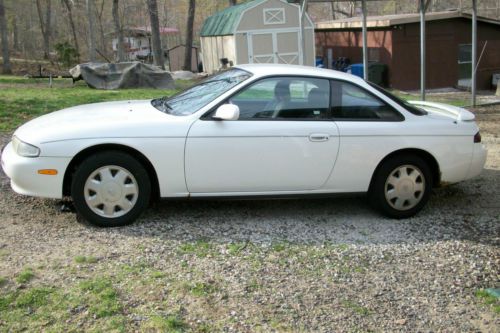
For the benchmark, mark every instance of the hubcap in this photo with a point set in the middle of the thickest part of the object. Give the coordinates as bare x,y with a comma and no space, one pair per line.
404,188
111,191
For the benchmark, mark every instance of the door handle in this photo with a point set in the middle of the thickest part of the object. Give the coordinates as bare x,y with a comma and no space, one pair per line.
319,137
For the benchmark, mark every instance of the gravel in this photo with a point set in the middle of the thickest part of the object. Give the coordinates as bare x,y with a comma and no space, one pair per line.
311,265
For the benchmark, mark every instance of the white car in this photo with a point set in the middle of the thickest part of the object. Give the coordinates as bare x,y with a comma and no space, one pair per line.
253,130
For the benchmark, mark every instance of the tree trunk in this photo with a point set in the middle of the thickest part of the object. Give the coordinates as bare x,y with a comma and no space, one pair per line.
73,29
45,26
232,2
15,34
155,34
6,68
189,36
119,32
90,18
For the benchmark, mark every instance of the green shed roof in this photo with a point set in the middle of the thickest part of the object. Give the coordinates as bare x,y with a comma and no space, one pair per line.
224,22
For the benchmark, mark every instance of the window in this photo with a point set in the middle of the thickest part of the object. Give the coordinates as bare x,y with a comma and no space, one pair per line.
192,99
274,16
284,98
351,102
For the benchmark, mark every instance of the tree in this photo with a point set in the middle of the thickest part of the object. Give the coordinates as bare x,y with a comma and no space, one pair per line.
67,4
6,68
232,2
90,18
45,26
155,34
119,32
189,36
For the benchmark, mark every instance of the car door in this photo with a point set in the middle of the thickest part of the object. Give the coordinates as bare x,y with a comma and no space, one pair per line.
369,128
283,140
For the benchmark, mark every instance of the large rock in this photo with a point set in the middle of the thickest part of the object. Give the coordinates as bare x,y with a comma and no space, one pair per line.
122,75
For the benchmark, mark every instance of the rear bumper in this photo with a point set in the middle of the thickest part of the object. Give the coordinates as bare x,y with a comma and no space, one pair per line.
479,154
24,177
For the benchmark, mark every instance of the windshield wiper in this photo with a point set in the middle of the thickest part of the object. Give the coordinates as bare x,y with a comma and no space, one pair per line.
164,103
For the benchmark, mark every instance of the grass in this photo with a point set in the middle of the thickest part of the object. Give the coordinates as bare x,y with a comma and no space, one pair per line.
102,296
170,323
85,260
24,99
489,300
361,310
200,248
25,276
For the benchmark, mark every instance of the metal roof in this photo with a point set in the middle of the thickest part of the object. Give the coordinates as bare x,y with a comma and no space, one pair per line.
392,20
224,22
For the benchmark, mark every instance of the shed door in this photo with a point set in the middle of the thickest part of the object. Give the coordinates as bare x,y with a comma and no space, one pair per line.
277,47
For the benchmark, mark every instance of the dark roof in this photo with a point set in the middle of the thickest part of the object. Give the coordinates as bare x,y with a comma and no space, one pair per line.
399,19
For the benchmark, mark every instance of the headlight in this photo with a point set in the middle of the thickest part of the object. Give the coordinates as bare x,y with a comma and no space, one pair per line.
24,149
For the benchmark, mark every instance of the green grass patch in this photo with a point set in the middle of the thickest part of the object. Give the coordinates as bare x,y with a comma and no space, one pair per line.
34,297
200,289
171,324
25,276
489,300
235,248
361,310
85,260
200,248
20,104
157,275
102,297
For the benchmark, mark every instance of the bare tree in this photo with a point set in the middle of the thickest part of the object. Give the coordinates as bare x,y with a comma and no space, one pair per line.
6,68
45,26
189,35
119,32
155,34
15,33
90,18
68,6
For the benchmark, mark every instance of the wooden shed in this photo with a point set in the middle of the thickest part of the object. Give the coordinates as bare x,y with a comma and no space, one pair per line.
258,31
394,40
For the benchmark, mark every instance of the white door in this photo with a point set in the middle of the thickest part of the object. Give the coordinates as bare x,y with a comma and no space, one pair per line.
276,47
289,145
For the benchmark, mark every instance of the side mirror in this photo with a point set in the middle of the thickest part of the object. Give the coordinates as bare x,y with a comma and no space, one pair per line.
227,112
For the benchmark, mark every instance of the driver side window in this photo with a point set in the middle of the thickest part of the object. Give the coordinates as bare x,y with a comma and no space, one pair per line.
284,98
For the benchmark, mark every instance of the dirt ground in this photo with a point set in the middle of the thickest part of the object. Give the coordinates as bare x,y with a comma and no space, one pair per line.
326,265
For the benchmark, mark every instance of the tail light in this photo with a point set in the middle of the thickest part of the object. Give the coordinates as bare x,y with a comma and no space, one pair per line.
477,137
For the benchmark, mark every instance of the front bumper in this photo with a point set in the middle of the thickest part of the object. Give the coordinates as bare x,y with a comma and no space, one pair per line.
24,177
478,160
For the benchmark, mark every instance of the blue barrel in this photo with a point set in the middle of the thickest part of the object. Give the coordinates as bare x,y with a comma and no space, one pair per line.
357,69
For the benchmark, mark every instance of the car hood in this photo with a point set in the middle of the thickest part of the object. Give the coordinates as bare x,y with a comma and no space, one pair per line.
124,118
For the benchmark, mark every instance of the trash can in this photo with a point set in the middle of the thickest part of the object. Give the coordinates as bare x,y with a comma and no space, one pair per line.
377,73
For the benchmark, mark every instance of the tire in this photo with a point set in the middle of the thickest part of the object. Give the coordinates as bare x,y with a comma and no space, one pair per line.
401,186
110,189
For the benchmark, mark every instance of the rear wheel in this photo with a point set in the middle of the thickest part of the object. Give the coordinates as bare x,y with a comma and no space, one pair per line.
110,189
402,186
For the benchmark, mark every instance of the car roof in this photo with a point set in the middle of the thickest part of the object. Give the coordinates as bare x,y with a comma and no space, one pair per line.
282,69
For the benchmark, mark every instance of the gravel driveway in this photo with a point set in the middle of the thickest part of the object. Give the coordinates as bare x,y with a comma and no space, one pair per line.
292,265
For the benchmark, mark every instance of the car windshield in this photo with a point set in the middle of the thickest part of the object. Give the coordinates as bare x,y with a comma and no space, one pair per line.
192,99
411,108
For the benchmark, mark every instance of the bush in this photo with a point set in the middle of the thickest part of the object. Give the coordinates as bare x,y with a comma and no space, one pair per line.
66,54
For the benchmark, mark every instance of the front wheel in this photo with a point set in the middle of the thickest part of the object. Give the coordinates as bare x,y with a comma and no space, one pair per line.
110,189
401,187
